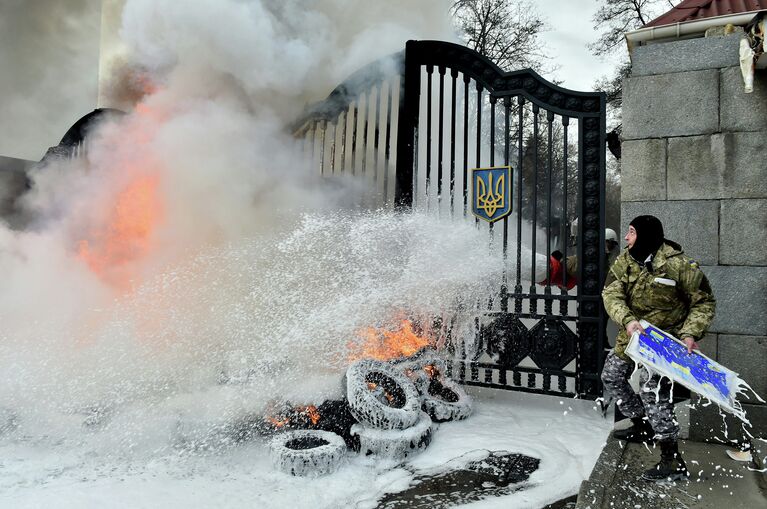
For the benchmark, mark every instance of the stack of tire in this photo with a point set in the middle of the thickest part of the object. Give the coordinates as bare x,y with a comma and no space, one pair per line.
387,405
395,405
442,398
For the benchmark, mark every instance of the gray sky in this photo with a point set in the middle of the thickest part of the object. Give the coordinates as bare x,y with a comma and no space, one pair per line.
571,29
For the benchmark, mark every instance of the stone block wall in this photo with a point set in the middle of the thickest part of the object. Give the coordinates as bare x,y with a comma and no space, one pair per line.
695,156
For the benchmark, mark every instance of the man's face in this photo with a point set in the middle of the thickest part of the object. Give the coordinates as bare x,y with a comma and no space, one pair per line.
631,237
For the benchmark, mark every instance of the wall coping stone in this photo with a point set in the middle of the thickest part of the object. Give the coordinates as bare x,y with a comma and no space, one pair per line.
686,55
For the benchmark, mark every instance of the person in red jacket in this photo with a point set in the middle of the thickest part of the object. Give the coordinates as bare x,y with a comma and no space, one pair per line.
559,268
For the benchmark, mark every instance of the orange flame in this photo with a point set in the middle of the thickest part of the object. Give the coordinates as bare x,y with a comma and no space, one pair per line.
372,386
312,412
385,344
123,232
431,370
126,235
278,423
285,417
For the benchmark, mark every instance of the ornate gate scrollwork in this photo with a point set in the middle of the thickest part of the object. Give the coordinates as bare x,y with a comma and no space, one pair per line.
553,344
506,340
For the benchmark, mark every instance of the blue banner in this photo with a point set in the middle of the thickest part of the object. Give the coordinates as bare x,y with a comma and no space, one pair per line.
663,353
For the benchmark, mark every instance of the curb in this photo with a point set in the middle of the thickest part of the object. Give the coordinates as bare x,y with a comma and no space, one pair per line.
592,491
759,453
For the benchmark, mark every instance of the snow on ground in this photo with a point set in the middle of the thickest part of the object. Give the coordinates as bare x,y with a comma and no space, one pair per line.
567,435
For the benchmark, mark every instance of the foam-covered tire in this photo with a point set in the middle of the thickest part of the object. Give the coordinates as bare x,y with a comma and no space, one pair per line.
307,453
395,444
445,400
414,368
380,396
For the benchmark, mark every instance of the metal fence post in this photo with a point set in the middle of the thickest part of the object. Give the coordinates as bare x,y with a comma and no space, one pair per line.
591,252
407,127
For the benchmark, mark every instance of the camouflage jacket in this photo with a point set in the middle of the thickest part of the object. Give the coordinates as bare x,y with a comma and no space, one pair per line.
675,296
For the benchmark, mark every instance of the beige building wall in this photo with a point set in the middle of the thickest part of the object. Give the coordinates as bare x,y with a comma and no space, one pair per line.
49,68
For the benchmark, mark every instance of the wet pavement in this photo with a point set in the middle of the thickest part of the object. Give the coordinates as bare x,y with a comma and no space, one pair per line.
500,473
715,481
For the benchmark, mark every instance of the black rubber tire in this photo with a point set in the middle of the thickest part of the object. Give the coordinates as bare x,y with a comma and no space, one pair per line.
445,400
395,444
413,368
399,408
307,453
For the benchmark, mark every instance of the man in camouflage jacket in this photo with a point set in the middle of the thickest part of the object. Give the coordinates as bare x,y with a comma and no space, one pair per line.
653,280
684,308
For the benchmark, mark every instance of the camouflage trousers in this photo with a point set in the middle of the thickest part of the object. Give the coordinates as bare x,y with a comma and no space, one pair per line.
653,400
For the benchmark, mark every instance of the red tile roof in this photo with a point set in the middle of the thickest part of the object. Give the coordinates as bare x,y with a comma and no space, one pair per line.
692,10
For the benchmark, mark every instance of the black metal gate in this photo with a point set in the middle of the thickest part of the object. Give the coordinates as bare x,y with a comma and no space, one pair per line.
446,109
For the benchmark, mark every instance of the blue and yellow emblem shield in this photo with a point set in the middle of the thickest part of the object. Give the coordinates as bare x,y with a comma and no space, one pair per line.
491,192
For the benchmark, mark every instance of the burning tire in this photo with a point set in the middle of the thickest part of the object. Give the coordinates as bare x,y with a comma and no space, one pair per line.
380,396
307,453
445,400
421,368
395,444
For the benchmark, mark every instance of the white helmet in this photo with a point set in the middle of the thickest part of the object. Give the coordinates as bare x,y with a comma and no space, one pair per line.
611,235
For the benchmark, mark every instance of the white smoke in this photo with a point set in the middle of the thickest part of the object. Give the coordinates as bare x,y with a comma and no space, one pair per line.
274,54
49,78
270,315
243,269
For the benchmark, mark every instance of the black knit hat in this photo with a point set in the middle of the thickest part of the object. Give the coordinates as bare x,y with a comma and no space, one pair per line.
649,237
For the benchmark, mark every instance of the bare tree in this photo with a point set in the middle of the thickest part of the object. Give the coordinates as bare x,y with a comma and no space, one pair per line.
614,18
612,85
505,31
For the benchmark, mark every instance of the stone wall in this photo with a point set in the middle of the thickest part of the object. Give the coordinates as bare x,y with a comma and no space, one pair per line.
695,156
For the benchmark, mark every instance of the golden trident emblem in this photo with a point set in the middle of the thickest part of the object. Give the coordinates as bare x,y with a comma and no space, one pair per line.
491,198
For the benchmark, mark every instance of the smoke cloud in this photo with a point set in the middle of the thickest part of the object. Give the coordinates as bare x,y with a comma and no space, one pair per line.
275,54
192,243
49,60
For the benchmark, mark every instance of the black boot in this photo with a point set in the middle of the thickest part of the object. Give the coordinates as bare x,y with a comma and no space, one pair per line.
640,431
671,466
